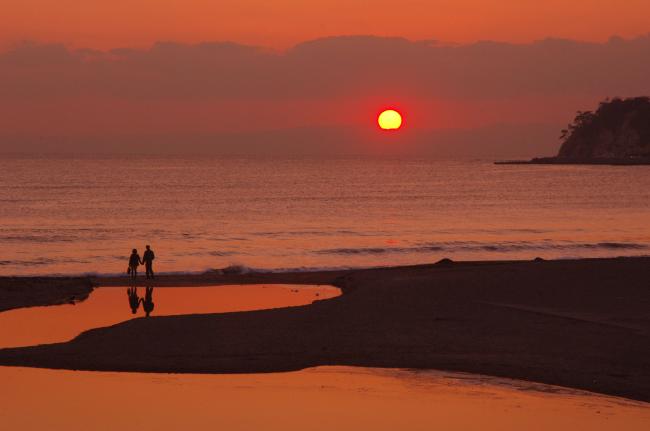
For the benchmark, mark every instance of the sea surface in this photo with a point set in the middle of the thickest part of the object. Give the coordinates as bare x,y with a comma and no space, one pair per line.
84,215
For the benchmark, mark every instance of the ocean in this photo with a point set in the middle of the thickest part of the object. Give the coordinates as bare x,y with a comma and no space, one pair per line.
84,215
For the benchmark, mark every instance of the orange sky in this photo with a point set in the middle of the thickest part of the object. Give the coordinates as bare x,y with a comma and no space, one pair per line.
281,23
53,92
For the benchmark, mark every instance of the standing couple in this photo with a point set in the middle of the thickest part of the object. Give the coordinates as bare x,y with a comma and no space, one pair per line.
146,260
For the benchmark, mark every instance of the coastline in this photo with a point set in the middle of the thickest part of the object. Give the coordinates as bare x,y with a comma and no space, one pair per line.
642,161
582,324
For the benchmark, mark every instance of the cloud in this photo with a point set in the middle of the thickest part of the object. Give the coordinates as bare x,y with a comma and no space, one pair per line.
331,67
109,88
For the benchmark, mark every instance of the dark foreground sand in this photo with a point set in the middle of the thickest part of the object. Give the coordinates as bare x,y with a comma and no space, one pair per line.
582,324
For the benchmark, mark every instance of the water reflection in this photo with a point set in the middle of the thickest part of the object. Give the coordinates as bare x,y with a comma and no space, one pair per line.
134,299
147,302
105,307
320,399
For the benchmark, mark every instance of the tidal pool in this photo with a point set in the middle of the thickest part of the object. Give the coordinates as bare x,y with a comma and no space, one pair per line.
110,305
324,398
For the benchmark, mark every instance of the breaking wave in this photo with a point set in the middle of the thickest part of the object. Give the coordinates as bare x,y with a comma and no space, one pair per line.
500,247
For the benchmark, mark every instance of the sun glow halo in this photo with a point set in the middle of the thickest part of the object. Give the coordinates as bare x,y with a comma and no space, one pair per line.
390,119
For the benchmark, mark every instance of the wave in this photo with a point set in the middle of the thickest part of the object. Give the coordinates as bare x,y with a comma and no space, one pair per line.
307,269
37,238
499,247
220,253
243,269
232,269
350,257
41,262
629,246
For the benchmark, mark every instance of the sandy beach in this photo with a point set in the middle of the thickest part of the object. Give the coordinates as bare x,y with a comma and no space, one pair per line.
17,292
577,323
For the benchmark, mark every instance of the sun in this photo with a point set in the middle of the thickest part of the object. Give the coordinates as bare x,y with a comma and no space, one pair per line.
390,119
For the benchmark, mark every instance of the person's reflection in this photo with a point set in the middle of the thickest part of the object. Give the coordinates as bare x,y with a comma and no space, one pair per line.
147,302
134,300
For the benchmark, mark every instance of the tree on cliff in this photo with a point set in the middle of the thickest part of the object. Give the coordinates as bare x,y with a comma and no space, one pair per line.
619,128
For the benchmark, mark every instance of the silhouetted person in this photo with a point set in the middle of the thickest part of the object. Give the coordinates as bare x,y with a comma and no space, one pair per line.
147,302
134,300
134,262
148,258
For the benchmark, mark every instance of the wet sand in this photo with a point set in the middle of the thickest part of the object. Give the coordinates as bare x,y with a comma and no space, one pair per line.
18,292
583,324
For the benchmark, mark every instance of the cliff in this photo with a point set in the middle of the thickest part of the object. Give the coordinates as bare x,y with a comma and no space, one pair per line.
617,133
618,129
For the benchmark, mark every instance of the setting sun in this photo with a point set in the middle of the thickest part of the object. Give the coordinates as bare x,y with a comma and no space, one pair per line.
390,120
